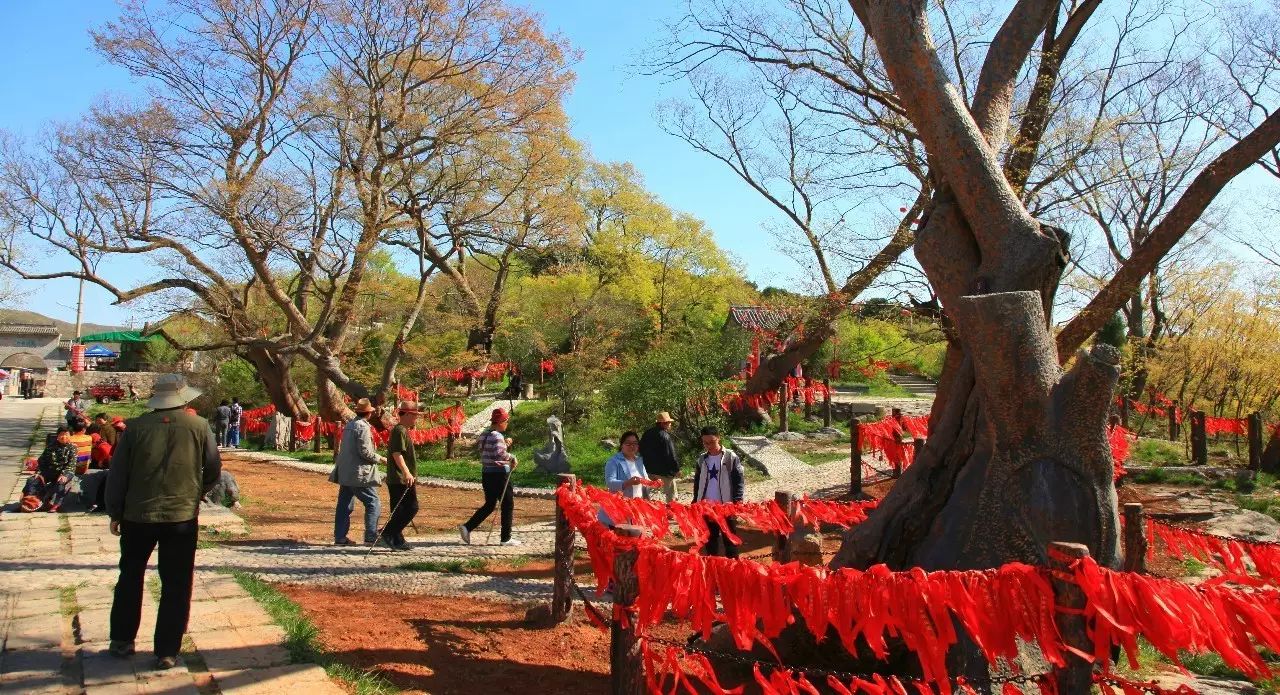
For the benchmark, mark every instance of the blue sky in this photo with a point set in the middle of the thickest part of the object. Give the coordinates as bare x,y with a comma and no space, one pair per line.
51,73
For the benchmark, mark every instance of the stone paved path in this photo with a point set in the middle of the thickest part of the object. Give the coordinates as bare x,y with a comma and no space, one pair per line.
476,423
56,577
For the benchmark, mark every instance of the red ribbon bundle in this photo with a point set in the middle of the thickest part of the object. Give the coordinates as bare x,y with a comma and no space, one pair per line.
547,366
1228,554
304,431
1214,426
884,437
995,607
1119,438
255,421
1176,617
692,519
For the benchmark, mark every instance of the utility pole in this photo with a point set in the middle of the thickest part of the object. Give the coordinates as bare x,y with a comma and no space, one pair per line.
79,310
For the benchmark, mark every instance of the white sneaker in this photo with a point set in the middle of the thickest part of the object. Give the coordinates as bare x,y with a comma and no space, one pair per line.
511,541
466,534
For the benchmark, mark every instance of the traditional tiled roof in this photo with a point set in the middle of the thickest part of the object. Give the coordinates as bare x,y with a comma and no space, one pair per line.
756,318
29,329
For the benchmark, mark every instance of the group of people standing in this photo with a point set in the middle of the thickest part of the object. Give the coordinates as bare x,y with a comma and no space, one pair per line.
718,476
226,423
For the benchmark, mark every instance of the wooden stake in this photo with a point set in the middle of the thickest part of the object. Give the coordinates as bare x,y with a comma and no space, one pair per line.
1199,442
855,459
1174,430
826,402
1135,538
1255,441
562,589
784,402
626,665
315,433
1077,675
781,541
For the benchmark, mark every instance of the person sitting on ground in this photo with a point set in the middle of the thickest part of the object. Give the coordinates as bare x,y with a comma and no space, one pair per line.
75,407
624,472
355,470
54,472
225,492
497,464
718,478
104,428
83,442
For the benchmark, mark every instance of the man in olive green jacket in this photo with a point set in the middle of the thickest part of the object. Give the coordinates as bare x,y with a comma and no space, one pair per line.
162,465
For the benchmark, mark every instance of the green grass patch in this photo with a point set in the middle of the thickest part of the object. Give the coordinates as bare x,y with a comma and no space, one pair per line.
302,637
450,566
1156,452
1156,476
124,409
1268,504
1192,567
67,603
817,458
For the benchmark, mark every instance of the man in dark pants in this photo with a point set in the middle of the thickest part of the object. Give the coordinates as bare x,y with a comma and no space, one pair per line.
402,469
658,450
718,478
495,477
163,463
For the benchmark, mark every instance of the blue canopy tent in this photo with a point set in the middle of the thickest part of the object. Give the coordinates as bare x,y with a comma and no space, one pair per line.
100,351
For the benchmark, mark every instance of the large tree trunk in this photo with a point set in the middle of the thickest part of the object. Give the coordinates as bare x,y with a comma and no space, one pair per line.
273,370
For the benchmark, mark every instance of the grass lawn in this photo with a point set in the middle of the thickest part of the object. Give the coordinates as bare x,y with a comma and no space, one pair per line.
124,409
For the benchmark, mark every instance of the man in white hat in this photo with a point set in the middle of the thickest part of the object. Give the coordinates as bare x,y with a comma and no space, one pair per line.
163,463
658,450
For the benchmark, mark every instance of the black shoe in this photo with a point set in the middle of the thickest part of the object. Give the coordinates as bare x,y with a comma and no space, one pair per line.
120,648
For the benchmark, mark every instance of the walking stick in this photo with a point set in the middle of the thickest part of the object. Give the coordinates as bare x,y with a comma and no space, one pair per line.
378,536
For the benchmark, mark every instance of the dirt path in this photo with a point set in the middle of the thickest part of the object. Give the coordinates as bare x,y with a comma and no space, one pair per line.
446,645
287,504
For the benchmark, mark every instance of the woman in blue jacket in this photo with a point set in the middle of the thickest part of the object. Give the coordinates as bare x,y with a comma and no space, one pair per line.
624,471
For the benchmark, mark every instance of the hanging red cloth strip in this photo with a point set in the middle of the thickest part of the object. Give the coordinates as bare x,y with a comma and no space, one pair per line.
1120,439
1175,617
1106,681
1214,426
1228,554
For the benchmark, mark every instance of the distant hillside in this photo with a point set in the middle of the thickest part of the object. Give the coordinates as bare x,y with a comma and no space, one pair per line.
68,329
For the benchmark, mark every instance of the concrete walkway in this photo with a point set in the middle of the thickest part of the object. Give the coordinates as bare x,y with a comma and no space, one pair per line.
57,572
475,424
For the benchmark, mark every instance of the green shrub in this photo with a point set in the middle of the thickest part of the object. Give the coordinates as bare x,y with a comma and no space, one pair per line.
685,379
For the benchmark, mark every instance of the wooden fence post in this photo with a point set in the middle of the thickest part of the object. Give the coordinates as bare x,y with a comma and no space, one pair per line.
1199,443
782,541
784,400
855,459
1255,441
626,664
293,434
1124,412
562,589
1069,600
1173,422
1135,538
315,433
826,402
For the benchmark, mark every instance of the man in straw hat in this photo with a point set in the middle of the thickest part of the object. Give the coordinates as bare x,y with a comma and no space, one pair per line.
496,466
658,450
162,464
401,476
355,470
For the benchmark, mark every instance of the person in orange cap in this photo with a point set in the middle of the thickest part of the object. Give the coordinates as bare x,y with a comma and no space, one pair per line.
497,464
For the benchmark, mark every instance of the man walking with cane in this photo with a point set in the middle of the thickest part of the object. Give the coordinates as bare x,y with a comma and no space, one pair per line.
497,464
401,476
162,465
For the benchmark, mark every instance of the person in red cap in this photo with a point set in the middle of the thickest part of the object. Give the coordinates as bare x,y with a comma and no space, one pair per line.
497,464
